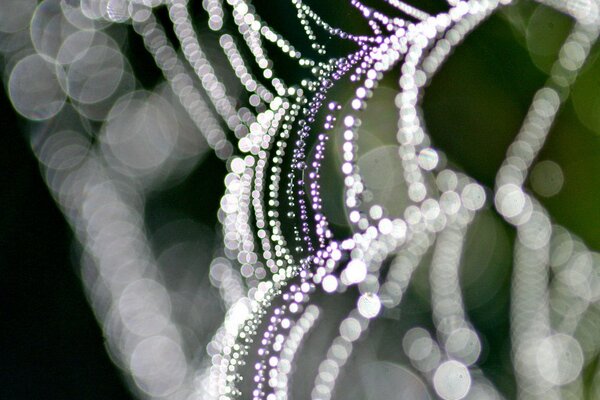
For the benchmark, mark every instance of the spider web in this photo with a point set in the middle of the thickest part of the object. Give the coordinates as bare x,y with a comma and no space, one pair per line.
297,297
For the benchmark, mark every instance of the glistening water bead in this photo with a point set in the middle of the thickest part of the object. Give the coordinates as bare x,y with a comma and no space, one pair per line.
279,256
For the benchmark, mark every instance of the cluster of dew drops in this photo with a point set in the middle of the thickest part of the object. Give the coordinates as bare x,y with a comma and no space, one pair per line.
279,250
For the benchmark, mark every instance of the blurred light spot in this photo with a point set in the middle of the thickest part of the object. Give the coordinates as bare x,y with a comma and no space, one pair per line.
64,150
145,307
422,351
34,88
450,202
158,365
356,271
452,380
536,233
510,200
369,305
118,10
141,132
96,75
559,359
464,345
473,196
428,159
50,28
330,284
350,329
95,9
547,178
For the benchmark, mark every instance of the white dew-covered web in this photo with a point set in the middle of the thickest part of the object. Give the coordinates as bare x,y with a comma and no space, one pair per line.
275,303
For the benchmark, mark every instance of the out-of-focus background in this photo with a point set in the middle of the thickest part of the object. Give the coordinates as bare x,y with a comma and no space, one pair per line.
52,347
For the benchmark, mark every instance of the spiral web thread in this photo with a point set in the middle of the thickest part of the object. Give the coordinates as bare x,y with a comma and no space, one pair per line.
277,250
